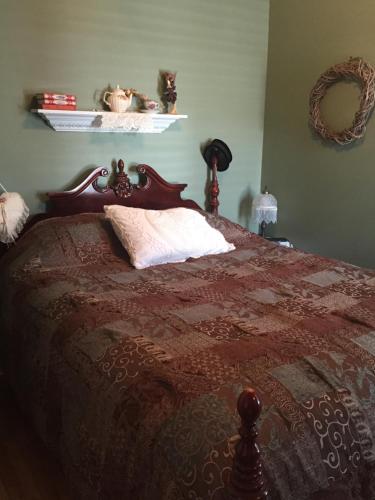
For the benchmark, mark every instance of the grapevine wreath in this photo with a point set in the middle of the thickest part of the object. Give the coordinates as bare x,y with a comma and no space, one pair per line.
355,69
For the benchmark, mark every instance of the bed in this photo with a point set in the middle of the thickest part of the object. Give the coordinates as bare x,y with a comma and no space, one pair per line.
133,378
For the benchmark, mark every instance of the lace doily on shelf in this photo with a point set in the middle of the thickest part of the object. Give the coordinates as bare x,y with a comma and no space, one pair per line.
129,122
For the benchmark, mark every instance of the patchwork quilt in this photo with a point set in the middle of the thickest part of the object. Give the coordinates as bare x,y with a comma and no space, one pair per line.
131,377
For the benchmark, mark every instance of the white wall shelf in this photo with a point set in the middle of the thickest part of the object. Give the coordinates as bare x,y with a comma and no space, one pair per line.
107,121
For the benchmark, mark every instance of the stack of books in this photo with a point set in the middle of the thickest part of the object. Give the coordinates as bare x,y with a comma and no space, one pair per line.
48,100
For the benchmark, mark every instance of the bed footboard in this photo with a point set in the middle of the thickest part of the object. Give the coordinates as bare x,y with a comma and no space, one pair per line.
247,480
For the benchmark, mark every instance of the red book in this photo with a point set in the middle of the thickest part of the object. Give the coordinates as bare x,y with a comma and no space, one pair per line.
57,101
68,97
66,107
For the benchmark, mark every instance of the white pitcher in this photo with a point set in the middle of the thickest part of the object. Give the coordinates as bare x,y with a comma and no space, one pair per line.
118,100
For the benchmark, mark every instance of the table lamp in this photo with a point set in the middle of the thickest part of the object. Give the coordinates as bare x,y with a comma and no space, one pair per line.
264,210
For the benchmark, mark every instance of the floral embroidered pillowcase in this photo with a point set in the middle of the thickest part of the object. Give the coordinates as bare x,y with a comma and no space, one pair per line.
153,237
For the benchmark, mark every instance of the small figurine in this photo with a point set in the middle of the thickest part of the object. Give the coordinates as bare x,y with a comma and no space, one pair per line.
170,94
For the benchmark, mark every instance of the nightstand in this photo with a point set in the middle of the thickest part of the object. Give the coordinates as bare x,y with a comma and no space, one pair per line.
283,242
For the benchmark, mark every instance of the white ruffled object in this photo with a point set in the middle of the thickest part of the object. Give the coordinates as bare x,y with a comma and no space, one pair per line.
13,215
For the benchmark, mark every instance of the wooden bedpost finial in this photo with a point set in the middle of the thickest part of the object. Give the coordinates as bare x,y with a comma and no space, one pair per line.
246,479
121,166
249,407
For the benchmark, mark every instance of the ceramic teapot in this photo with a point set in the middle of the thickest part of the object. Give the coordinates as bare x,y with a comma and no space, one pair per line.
118,100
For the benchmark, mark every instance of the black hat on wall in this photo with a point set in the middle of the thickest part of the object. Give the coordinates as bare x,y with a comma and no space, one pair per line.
219,149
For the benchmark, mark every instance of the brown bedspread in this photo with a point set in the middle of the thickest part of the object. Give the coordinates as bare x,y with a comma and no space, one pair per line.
131,377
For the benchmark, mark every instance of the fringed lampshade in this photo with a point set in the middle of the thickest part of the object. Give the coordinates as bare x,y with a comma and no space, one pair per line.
13,215
264,210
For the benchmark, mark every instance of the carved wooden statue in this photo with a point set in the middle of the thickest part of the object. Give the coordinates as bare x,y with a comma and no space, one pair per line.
170,94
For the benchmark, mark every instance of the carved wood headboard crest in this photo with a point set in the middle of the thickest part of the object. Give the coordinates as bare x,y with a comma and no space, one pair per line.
151,192
122,187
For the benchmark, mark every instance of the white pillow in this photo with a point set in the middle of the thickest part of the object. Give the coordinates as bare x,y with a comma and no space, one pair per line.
154,237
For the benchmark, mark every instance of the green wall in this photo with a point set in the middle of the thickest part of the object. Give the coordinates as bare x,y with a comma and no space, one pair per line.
218,48
325,193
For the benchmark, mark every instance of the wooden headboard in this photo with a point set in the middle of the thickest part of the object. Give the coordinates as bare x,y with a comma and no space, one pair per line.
152,192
